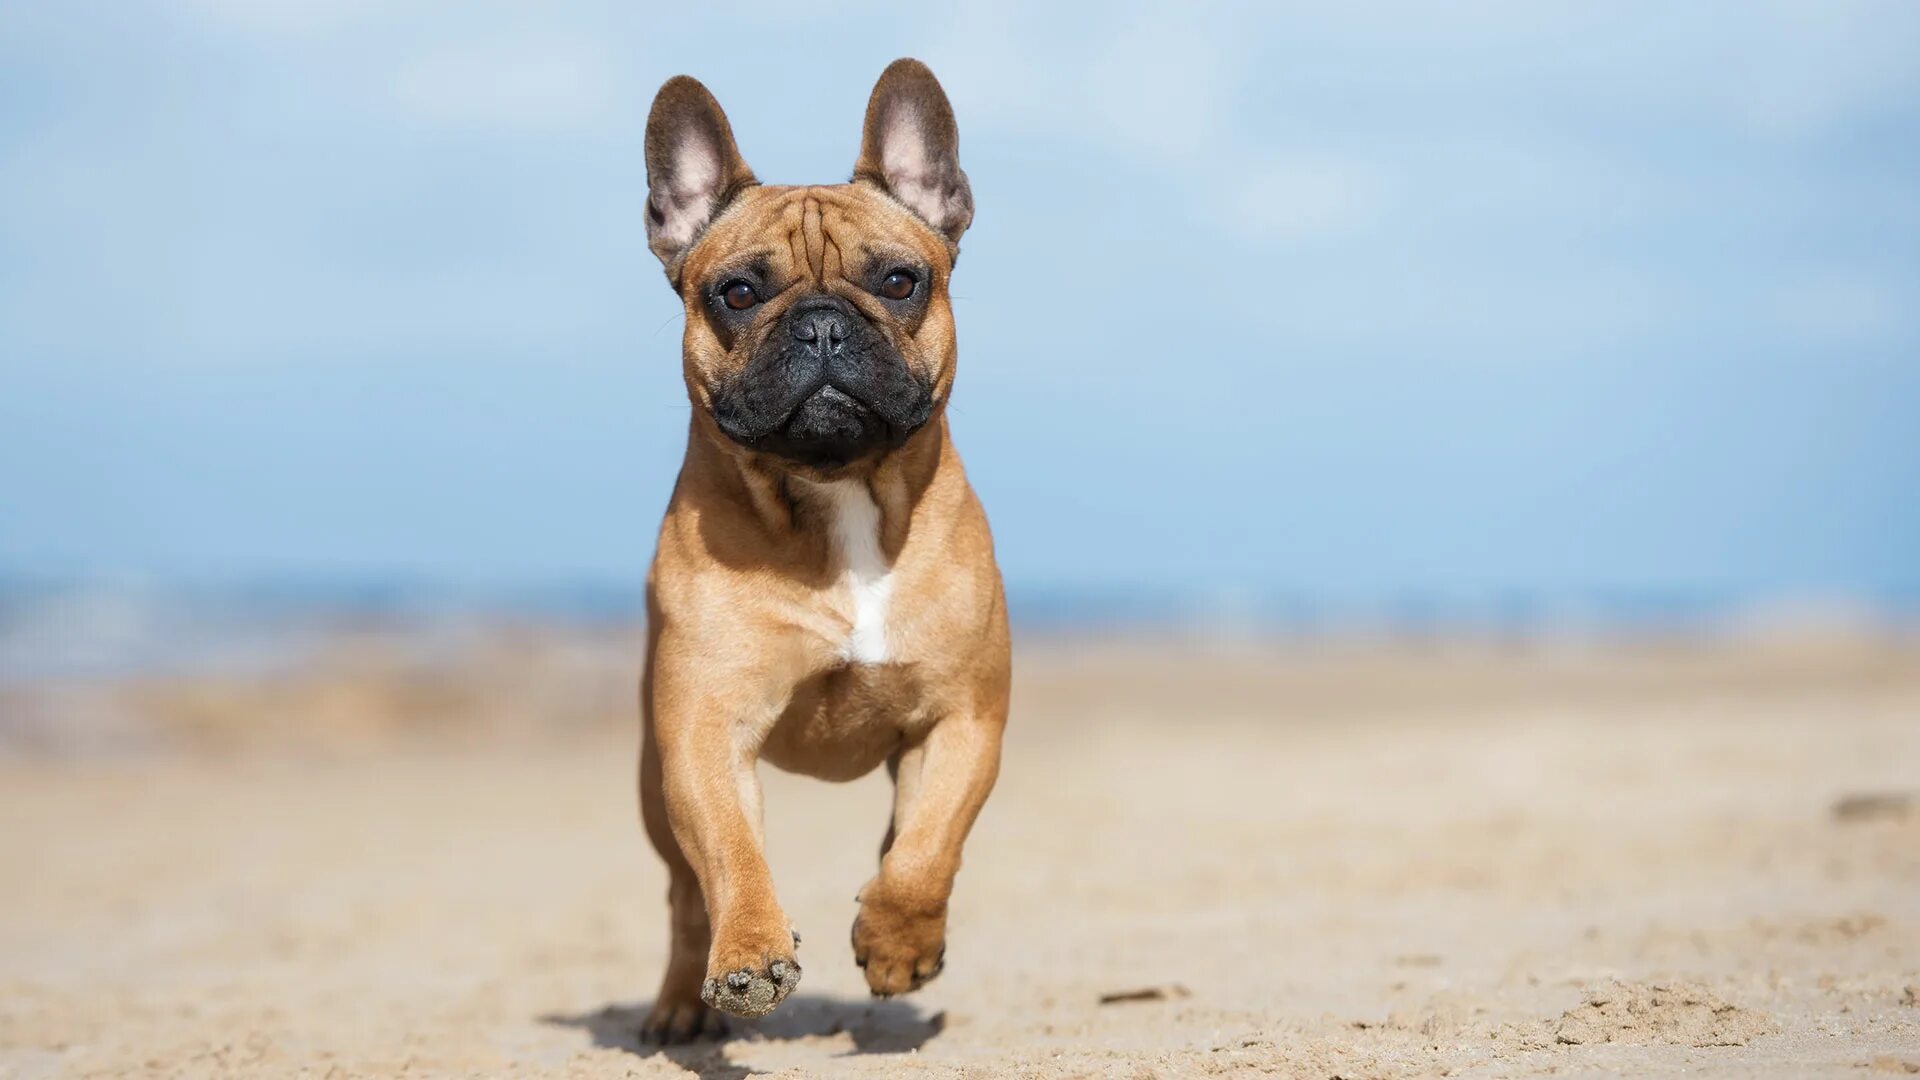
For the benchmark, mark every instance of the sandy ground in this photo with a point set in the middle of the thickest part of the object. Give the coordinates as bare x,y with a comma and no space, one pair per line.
1314,862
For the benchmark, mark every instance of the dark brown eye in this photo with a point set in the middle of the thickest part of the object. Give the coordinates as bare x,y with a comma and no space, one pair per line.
897,285
739,296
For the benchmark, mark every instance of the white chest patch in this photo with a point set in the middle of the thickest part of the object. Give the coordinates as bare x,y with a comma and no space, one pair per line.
864,570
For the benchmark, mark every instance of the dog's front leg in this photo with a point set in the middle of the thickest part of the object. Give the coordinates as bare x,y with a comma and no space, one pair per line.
712,797
900,935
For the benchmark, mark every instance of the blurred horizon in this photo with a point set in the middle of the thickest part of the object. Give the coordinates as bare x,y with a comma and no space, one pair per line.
1532,315
80,629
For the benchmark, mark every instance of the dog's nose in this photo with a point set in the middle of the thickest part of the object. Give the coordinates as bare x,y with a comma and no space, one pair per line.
824,321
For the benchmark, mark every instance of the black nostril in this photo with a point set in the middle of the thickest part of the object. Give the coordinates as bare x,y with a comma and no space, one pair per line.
820,320
829,327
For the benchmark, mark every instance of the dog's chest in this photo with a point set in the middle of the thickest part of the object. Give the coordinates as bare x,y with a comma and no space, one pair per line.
865,577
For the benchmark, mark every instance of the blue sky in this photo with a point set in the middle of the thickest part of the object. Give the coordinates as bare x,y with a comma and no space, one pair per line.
1345,302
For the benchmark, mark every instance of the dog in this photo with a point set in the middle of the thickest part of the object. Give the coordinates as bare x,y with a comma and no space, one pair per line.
824,594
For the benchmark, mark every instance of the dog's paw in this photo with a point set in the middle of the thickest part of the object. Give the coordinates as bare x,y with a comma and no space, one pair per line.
682,1020
902,945
753,990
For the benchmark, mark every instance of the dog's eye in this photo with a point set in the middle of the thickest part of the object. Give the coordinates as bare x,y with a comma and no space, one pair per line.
739,296
897,285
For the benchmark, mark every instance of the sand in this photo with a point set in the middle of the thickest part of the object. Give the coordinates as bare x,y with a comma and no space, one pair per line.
1284,860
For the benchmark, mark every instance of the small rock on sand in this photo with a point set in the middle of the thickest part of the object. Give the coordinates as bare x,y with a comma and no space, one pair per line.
1874,806
1146,993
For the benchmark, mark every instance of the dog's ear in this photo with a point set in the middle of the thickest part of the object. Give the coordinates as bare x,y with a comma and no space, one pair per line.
911,148
693,167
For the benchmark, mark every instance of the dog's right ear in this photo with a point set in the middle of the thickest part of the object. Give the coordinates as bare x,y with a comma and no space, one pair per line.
693,168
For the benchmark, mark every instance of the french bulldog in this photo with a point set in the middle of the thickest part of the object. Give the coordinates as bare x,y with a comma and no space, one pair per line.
824,594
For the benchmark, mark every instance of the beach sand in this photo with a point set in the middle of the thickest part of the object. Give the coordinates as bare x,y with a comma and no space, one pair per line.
1313,860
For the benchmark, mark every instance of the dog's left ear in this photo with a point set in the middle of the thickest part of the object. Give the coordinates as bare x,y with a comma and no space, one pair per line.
911,148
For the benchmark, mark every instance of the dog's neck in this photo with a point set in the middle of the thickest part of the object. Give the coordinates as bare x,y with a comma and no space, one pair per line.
785,501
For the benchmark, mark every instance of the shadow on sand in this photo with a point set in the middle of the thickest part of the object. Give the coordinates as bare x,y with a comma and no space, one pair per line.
876,1027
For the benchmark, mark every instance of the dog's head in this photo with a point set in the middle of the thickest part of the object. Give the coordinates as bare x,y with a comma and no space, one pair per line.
818,326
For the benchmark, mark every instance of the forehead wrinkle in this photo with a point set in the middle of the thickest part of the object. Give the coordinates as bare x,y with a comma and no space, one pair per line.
833,231
831,243
812,230
839,261
789,219
856,251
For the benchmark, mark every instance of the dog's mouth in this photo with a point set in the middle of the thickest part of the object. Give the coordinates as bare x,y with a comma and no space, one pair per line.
828,428
831,415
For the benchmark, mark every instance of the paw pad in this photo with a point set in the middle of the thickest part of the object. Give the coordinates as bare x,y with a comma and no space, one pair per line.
752,992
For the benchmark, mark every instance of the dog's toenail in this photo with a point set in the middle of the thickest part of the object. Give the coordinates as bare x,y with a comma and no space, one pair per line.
739,980
796,936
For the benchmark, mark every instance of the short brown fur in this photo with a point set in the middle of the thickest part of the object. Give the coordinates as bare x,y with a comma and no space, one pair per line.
750,608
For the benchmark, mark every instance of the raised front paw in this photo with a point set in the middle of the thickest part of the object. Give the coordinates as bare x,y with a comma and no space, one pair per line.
900,940
749,975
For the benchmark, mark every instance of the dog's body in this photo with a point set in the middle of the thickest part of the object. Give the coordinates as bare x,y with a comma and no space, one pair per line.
824,594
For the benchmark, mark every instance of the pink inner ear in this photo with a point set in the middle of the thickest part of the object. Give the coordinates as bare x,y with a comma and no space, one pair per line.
684,200
903,153
696,167
910,175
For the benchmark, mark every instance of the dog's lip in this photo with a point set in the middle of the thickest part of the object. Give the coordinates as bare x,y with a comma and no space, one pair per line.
839,395
882,422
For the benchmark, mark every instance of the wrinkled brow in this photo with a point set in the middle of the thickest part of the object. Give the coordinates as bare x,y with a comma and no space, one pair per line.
752,264
880,256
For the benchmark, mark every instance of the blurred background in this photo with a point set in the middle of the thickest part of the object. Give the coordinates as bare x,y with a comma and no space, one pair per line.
1487,436
1528,312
